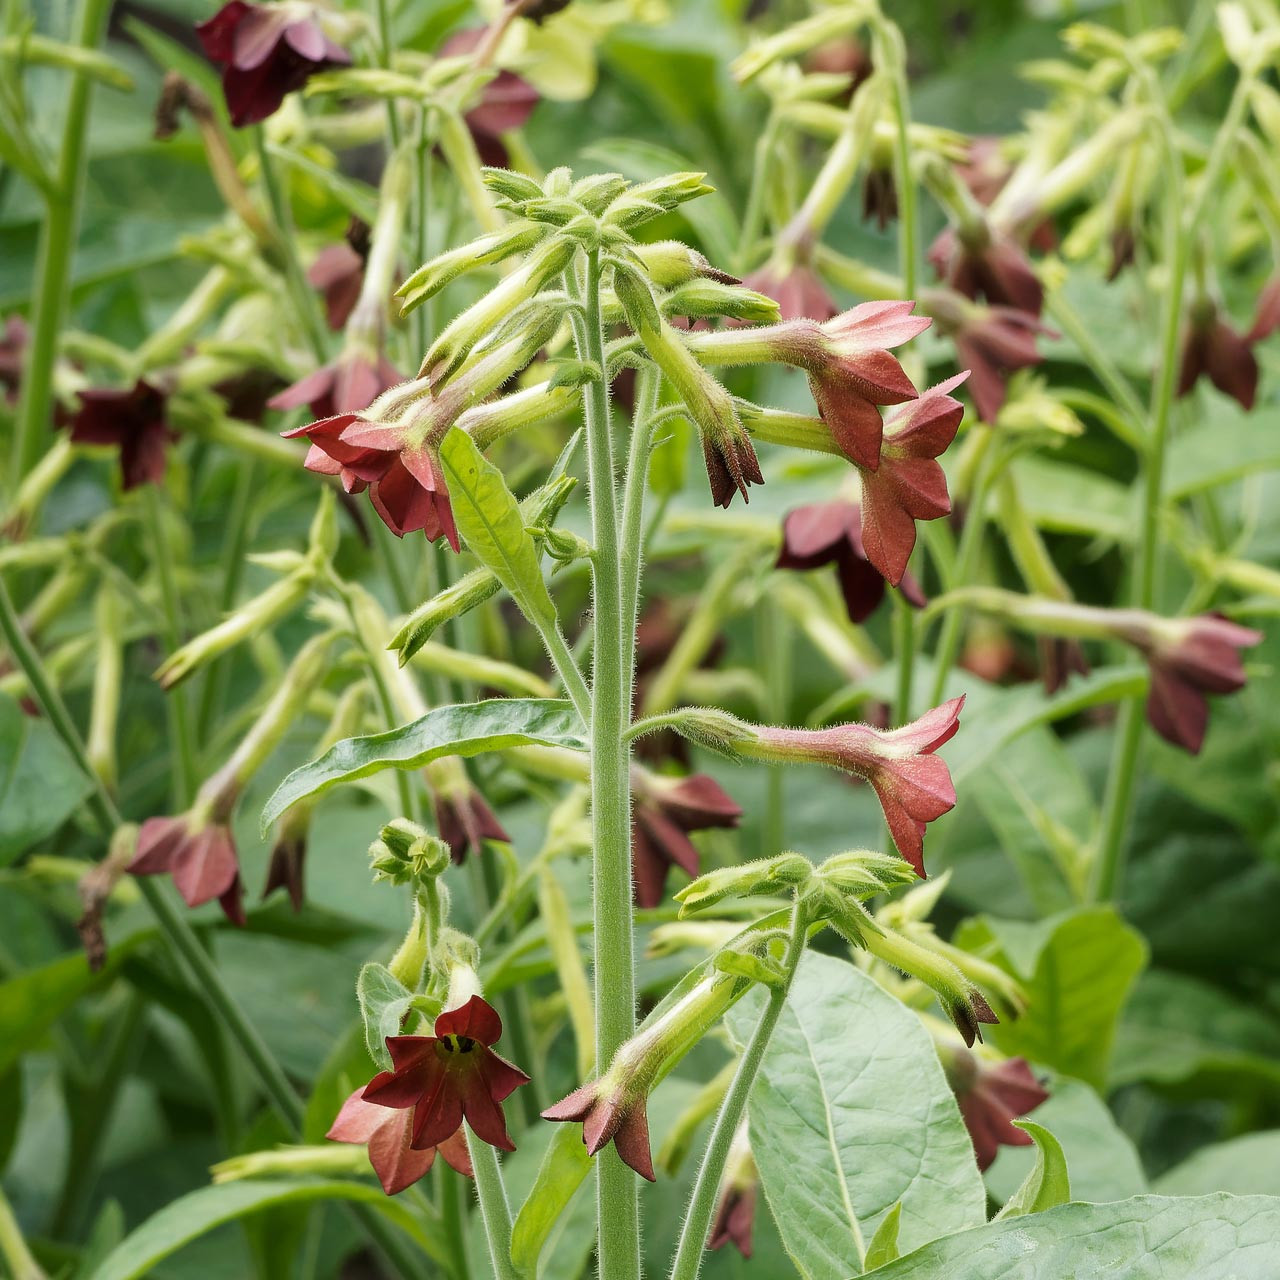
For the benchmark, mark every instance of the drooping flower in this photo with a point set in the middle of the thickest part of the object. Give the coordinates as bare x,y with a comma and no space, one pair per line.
731,464
1212,348
288,856
506,102
1189,658
14,341
610,1113
831,533
1060,659
799,292
349,384
463,817
338,273
388,1136
910,484
266,51
1266,319
666,810
199,852
736,1207
134,421
991,1098
451,1076
984,263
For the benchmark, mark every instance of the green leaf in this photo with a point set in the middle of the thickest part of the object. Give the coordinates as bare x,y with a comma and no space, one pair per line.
1078,969
489,520
850,1114
1234,444
563,1170
190,1216
464,729
1103,1162
884,1244
1218,1237
1063,498
384,1000
1047,1185
1243,1166
41,785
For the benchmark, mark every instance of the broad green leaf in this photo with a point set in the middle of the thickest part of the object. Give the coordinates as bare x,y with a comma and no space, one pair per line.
1078,969
489,520
850,1114
40,783
1244,1166
1047,1185
464,729
563,1170
1218,1237
1103,1162
190,1216
384,1000
1067,499
1234,444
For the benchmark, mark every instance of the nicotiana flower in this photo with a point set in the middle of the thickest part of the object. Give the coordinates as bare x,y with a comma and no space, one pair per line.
266,51
338,273
388,1135
666,810
506,102
14,340
288,855
984,263
1212,348
986,171
134,421
739,1186
610,1113
909,484
831,533
1266,319
463,818
348,384
991,1097
798,291
198,850
451,1076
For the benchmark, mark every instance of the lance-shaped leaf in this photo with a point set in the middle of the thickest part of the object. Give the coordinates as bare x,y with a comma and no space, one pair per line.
1047,1185
489,520
460,730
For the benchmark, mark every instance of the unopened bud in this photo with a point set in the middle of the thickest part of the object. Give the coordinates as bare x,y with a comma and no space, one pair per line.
778,874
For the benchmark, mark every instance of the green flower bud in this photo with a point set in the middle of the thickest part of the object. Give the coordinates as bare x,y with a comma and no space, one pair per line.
778,874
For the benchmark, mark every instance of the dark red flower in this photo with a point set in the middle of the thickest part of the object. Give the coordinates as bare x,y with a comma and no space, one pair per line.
351,383
1060,658
910,484
879,197
338,273
666,810
991,1098
731,464
267,51
288,856
799,293
982,263
506,102
13,350
388,1135
1124,247
610,1112
133,421
450,1077
201,857
831,533
465,821
735,1218
1212,348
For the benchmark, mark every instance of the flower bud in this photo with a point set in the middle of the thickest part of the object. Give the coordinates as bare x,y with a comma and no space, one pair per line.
431,277
774,875
670,263
404,853
647,200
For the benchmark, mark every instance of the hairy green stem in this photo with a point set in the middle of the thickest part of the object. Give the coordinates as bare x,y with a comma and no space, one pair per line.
494,1208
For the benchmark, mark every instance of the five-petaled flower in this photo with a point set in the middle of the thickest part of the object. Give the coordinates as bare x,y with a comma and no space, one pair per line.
610,1112
1212,348
991,1097
388,1135
349,384
134,421
199,852
981,262
266,51
831,533
338,273
464,819
451,1076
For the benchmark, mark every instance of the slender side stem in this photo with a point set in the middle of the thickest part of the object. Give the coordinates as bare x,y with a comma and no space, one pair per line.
611,691
58,236
18,1259
702,1204
494,1208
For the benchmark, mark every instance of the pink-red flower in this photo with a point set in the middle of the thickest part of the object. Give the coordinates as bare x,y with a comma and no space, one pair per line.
350,383
735,1218
506,102
666,810
831,533
266,51
610,1112
465,821
388,1135
134,421
1211,348
909,484
338,273
983,263
451,1076
991,1098
199,855
799,292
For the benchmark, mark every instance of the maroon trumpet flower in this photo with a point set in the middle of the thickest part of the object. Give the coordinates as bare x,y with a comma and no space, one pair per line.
506,102
1212,348
982,263
666,810
831,533
799,292
133,421
338,273
14,341
388,1136
610,1112
451,1076
910,484
991,1098
266,51
465,821
201,857
351,383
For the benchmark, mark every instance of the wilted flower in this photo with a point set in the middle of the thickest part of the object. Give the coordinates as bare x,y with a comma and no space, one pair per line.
799,292
731,464
199,851
13,348
463,818
451,1076
350,383
1212,348
134,421
880,196
388,1135
506,102
991,1097
910,484
267,51
984,263
666,810
338,273
831,533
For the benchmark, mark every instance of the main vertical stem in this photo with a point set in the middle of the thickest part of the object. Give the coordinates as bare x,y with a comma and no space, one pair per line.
611,677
